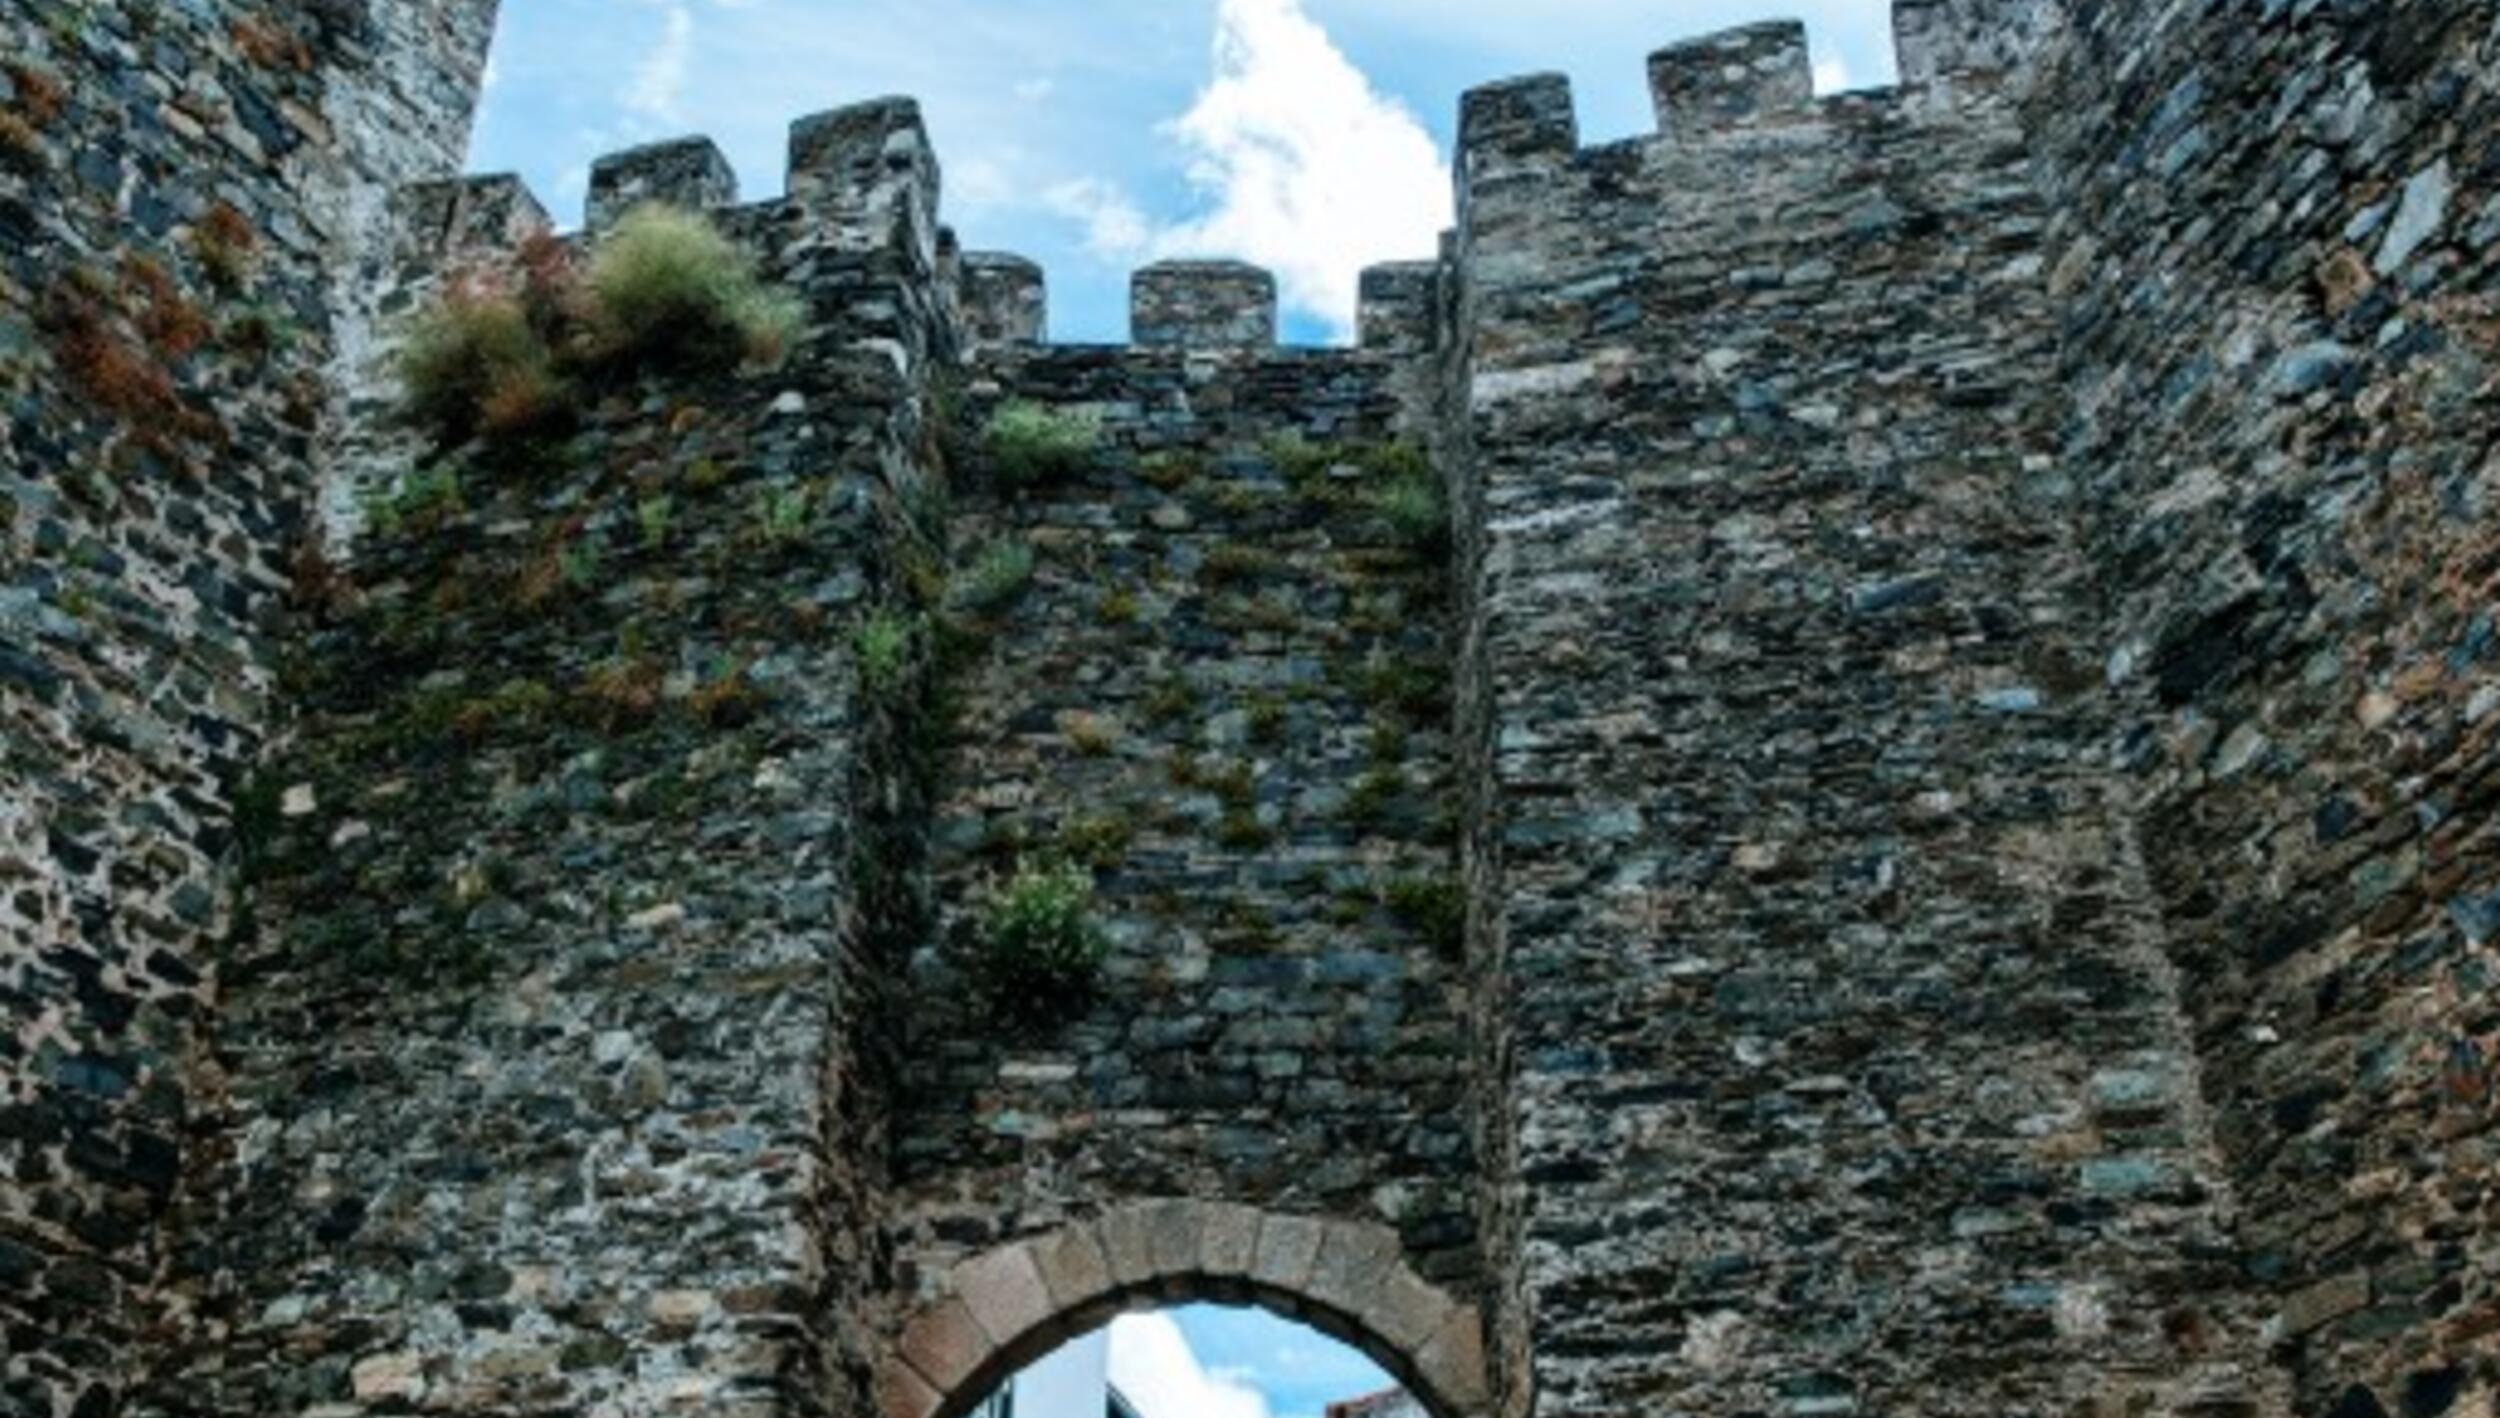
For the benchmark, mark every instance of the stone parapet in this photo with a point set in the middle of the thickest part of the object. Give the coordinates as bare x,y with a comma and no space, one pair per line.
687,172
1006,301
1202,305
1753,75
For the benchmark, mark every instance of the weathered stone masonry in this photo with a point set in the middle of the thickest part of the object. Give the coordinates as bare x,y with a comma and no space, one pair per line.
1920,844
1842,1070
2274,255
180,187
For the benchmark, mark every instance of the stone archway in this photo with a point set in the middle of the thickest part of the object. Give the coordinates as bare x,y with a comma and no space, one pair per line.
999,1311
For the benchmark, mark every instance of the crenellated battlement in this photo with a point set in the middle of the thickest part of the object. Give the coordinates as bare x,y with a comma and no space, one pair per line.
1760,73
686,172
865,178
1005,299
1397,306
1202,305
455,219
1938,41
1733,109
862,180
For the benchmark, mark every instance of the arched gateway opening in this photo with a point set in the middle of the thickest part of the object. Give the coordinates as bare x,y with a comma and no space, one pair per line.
1000,1311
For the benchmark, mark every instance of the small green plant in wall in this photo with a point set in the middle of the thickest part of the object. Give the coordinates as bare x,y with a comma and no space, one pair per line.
883,647
655,514
997,579
1413,513
1034,953
783,515
1029,445
415,503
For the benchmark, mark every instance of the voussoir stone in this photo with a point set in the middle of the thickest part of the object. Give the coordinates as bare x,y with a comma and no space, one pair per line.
1287,1246
946,1344
1128,1246
1352,1264
902,1393
1228,1239
1005,1292
1173,1229
1451,1363
1071,1264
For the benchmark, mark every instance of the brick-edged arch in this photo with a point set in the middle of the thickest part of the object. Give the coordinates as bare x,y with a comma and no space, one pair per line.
1006,1308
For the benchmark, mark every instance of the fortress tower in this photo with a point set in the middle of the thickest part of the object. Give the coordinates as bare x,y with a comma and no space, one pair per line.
1844,768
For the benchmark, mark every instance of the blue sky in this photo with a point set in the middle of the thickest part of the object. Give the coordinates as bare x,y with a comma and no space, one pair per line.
1311,136
1211,1361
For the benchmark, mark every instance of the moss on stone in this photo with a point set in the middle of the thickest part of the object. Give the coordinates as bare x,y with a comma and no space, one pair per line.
1240,830
883,649
1119,607
1172,699
1267,719
1434,907
1099,840
996,579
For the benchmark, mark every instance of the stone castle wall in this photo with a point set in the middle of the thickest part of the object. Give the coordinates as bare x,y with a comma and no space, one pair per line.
179,187
2274,257
1841,1070
556,1066
1227,691
1912,843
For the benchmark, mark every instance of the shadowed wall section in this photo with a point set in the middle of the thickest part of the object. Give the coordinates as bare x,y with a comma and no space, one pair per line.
183,191
2276,251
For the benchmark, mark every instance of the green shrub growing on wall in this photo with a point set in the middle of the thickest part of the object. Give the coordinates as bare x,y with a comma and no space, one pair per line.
1413,513
474,364
1029,445
666,289
1035,953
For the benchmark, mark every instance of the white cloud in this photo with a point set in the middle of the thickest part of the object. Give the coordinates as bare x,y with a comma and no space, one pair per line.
658,87
1115,229
1831,76
1305,167
1152,1363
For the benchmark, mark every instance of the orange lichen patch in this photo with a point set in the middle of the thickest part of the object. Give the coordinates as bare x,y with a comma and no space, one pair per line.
727,701
271,45
318,585
224,242
520,400
41,95
226,226
541,577
117,374
623,693
2343,279
173,326
20,145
